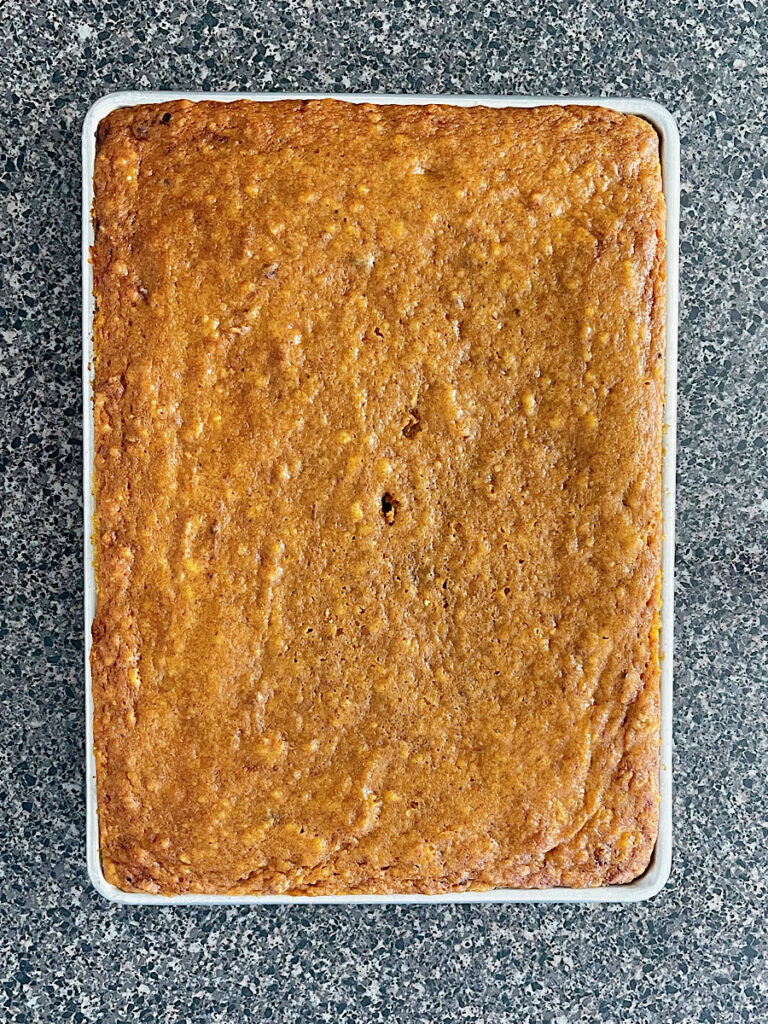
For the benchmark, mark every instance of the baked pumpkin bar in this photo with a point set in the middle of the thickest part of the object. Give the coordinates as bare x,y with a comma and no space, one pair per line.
378,408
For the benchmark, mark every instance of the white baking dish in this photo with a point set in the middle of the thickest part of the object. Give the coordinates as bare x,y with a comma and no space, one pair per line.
658,872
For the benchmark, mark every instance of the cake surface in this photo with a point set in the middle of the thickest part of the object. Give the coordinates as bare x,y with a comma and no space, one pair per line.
378,408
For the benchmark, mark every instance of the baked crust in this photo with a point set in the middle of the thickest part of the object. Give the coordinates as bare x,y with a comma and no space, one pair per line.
378,409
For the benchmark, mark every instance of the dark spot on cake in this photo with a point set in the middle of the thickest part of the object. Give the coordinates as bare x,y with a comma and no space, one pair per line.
389,506
413,426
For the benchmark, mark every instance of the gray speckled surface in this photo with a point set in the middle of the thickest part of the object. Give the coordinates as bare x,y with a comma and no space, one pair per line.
695,953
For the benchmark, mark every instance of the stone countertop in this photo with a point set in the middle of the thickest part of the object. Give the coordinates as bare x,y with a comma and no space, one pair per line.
697,952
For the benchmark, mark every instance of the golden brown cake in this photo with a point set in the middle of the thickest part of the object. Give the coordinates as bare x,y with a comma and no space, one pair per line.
378,404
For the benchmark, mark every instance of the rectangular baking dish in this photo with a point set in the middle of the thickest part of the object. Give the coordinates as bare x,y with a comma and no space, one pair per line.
657,873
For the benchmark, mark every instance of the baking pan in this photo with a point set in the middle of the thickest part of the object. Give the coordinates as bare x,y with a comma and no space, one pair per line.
657,873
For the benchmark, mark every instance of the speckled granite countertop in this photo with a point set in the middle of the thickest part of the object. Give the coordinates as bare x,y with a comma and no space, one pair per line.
695,953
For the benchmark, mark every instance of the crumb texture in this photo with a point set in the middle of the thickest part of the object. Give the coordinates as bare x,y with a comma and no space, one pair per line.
378,408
